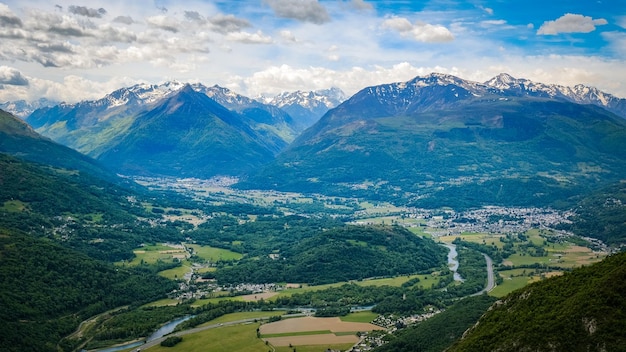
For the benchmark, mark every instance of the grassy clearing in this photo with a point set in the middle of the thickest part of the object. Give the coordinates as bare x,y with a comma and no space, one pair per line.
214,254
359,317
237,338
14,206
176,273
153,253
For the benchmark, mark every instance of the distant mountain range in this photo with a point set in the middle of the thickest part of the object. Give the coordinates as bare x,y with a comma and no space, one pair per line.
104,128
307,107
23,108
439,140
431,141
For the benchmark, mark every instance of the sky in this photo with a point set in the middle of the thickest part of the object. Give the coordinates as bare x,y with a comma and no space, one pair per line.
78,50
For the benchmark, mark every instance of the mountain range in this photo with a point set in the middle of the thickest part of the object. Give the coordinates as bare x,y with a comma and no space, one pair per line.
436,140
439,140
254,132
307,107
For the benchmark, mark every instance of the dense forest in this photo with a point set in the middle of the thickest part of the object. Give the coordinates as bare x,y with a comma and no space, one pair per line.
583,310
602,215
59,230
440,331
48,289
338,254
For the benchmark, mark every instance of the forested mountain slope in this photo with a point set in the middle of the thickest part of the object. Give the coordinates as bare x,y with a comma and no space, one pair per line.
584,310
441,141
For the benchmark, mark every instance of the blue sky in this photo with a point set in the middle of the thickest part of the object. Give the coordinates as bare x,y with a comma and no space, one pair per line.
73,50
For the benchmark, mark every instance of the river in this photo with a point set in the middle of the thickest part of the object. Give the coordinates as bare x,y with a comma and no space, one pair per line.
164,330
453,263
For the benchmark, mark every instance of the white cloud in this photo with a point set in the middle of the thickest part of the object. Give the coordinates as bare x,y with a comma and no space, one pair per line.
302,10
488,10
228,23
124,19
493,22
86,11
420,31
249,38
399,24
570,23
8,18
288,36
617,42
11,76
164,22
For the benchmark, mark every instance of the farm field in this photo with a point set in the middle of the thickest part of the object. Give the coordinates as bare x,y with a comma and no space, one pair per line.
313,331
235,338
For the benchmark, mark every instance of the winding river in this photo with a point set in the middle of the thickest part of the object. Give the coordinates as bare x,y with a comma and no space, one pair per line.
164,330
452,262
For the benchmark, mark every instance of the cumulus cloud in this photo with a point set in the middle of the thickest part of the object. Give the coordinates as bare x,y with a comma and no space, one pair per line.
570,23
163,22
285,78
87,12
249,38
8,18
227,23
124,19
11,76
288,36
194,16
61,25
302,10
419,31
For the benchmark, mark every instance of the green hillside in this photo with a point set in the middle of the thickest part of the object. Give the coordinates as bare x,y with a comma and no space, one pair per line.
602,215
18,139
512,152
584,310
59,230
439,332
47,290
187,134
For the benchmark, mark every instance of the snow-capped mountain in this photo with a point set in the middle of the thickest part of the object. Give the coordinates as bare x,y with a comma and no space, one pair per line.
440,140
308,107
90,126
23,108
579,93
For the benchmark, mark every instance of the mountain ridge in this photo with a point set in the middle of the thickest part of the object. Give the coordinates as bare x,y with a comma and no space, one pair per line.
187,133
441,137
